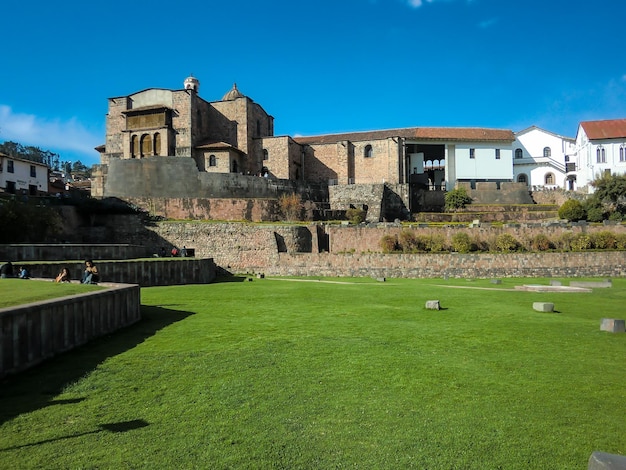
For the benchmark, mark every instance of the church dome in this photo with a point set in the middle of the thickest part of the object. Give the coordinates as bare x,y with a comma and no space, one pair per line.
192,83
233,94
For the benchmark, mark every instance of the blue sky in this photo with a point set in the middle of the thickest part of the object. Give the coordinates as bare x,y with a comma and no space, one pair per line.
327,66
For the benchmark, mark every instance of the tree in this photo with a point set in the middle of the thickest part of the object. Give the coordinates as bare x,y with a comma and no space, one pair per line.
610,192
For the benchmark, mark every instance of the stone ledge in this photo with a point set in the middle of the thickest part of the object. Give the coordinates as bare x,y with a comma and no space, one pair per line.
34,332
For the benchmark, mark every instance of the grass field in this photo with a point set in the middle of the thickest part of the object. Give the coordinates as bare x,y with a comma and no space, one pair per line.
321,375
19,291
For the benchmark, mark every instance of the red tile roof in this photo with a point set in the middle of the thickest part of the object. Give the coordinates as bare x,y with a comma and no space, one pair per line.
609,129
463,134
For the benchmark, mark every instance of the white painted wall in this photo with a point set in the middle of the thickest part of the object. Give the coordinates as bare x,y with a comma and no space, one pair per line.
484,165
21,175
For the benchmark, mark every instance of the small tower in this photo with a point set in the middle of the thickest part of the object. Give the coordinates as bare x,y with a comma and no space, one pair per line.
192,83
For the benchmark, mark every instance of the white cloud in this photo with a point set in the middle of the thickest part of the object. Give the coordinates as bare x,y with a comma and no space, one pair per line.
55,135
419,3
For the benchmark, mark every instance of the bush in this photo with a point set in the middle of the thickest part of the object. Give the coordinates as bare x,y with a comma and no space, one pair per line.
355,216
595,214
506,242
410,242
436,242
620,241
564,242
581,242
604,240
457,199
461,242
388,243
290,206
572,210
616,216
541,242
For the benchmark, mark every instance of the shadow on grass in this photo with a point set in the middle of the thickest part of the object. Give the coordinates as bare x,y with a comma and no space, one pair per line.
36,388
110,427
230,279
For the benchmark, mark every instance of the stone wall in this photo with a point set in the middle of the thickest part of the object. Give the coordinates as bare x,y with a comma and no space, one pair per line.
31,333
146,273
60,252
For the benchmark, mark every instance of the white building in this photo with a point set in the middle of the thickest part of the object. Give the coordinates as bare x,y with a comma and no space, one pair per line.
600,148
18,176
541,159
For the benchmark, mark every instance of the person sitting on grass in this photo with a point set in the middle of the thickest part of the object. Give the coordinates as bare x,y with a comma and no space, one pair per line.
64,276
24,274
90,276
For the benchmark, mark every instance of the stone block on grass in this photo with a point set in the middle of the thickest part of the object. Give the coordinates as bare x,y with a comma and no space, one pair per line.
613,325
543,306
496,281
433,305
604,461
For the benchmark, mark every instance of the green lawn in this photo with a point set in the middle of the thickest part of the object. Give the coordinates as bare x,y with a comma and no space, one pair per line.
285,374
19,291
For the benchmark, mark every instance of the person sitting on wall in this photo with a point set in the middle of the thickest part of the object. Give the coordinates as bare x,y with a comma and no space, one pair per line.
64,276
174,251
90,275
6,270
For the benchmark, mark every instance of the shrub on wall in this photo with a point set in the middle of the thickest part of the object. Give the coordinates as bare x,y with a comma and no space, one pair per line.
436,242
457,199
604,240
461,242
541,242
572,210
290,206
620,241
388,243
581,242
408,241
506,242
355,216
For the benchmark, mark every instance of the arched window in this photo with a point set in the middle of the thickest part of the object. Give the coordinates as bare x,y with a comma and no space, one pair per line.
146,145
549,179
157,144
522,178
266,155
519,153
212,160
368,152
547,152
235,167
600,155
133,146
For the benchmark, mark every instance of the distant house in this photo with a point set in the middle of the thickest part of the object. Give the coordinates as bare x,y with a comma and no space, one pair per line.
600,148
541,159
25,177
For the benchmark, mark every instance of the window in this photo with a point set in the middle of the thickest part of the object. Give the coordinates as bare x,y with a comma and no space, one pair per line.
522,178
133,146
266,155
622,153
368,152
519,153
146,145
157,144
497,154
600,155
547,152
33,171
212,160
472,153
10,168
549,179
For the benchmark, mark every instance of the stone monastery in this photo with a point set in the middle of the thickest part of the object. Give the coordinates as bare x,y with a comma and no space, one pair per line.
164,143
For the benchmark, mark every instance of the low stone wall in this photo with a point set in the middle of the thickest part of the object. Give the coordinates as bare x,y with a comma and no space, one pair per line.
453,265
32,333
73,251
146,273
